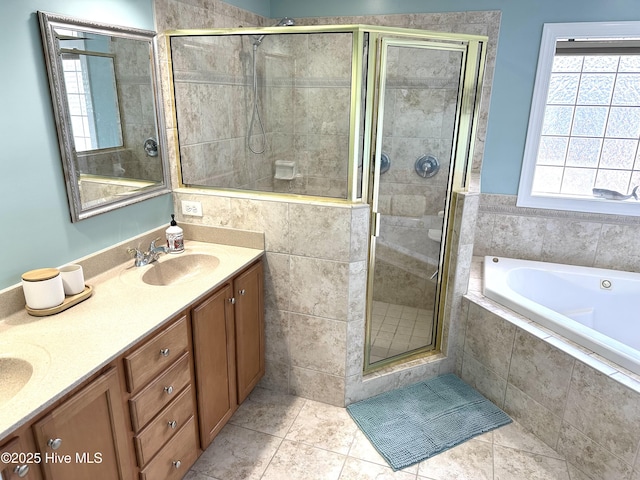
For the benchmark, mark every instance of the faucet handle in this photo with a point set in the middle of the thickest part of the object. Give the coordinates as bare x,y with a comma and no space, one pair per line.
134,251
152,245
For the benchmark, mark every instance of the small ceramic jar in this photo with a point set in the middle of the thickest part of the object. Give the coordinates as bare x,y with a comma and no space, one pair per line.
43,288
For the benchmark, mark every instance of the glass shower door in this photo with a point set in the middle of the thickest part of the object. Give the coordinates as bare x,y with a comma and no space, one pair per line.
417,105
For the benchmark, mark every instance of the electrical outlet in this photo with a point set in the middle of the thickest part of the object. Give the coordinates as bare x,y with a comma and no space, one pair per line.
191,208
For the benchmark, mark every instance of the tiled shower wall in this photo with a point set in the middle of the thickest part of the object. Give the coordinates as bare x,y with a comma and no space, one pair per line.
303,111
316,254
418,119
138,122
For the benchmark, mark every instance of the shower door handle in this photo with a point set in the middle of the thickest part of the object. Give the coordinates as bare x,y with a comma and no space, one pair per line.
376,224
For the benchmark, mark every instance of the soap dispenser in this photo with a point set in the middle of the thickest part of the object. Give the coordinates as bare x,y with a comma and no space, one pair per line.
175,237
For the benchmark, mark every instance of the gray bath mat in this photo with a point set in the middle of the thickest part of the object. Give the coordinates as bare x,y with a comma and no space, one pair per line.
416,422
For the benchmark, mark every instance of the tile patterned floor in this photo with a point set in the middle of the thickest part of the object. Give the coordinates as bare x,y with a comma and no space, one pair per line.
281,437
398,329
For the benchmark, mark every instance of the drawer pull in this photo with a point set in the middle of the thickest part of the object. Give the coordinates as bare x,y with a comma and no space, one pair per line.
232,300
54,443
164,352
168,389
242,292
172,424
177,464
21,470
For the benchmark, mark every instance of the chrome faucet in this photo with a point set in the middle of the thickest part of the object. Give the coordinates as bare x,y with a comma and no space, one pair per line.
141,259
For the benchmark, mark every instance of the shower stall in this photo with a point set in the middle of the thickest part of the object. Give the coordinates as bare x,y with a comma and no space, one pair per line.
348,114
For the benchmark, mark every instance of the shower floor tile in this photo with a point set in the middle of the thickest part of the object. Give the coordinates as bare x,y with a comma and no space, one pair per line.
277,436
396,329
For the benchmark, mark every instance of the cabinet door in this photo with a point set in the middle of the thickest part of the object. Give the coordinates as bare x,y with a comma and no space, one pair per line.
22,449
86,436
249,319
214,355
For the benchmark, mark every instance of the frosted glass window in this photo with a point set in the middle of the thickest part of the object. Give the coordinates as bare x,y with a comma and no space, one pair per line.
624,122
618,153
591,126
627,90
553,150
548,179
563,88
589,121
583,152
557,120
596,89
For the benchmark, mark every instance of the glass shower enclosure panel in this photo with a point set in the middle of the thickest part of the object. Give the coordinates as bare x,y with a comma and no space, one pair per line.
417,116
266,112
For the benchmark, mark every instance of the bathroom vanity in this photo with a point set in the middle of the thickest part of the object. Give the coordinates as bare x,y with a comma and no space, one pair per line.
136,381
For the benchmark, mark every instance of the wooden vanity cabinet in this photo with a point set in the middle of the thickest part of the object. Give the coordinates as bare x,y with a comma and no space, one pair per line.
151,412
159,378
86,436
214,361
228,343
22,449
249,326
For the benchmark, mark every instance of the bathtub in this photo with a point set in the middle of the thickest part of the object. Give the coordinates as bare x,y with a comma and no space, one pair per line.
593,307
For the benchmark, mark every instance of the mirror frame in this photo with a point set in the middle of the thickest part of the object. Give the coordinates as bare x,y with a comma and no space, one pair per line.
48,23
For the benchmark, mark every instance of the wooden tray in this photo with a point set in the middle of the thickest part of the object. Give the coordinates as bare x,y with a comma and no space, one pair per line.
68,302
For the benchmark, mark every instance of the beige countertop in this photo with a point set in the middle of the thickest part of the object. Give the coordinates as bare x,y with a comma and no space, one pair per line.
67,348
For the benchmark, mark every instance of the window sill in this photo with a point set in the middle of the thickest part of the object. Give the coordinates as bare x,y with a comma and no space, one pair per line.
613,207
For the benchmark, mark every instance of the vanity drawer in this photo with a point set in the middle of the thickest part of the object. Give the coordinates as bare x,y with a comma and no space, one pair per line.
176,457
164,426
146,404
156,355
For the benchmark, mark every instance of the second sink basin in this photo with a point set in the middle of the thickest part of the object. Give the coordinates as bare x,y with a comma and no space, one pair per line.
14,374
179,269
20,364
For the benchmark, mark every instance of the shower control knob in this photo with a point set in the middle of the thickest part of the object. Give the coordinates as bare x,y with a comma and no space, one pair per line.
427,166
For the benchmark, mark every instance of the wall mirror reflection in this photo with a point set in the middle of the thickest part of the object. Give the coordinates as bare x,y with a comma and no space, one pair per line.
104,90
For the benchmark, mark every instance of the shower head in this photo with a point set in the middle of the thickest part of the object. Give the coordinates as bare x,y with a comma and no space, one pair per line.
284,22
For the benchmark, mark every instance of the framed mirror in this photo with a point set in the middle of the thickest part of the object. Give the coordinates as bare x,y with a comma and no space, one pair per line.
105,94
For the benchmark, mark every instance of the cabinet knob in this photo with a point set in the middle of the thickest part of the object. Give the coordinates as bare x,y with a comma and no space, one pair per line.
164,352
54,443
242,292
172,424
232,300
177,464
168,389
21,470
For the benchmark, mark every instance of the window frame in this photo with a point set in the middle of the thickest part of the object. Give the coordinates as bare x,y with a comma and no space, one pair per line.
551,33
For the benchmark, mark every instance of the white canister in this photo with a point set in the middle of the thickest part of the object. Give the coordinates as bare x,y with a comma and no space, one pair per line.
43,288
72,279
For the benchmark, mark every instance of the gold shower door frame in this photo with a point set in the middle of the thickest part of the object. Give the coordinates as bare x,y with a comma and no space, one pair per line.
473,52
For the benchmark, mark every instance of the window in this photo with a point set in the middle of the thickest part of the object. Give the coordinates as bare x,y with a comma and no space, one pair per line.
582,151
79,98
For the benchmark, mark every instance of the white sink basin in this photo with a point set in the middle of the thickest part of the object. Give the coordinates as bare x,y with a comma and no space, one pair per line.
172,270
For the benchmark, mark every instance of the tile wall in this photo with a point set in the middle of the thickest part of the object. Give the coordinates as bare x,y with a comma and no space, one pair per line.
573,238
316,253
580,405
